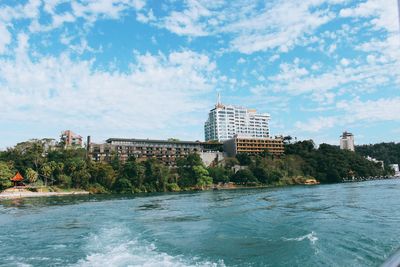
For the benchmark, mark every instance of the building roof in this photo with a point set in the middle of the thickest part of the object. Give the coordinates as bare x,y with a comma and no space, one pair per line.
17,178
153,141
249,137
346,134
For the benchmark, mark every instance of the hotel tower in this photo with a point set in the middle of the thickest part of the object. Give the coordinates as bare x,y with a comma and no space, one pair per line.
226,121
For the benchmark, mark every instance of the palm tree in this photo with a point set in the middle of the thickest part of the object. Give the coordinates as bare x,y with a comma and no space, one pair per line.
47,171
32,175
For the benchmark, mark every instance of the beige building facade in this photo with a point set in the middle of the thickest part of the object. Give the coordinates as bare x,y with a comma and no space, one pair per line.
243,144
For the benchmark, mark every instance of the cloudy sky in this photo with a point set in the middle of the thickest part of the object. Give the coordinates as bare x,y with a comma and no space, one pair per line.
152,69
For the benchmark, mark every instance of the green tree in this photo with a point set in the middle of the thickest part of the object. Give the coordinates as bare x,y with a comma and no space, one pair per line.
287,139
267,154
230,162
47,172
65,180
103,174
29,154
332,175
243,177
32,175
157,175
58,171
219,174
388,152
261,174
202,176
133,171
187,176
123,186
244,159
80,178
6,173
275,176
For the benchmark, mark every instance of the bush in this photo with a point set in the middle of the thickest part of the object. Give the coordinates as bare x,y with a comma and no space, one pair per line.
244,159
244,177
261,174
123,186
275,176
6,173
219,174
173,187
65,181
97,189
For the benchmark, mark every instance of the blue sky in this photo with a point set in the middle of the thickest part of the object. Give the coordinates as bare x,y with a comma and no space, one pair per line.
152,69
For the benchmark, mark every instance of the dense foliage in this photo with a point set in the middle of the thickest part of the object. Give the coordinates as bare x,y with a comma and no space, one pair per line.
69,168
388,152
330,164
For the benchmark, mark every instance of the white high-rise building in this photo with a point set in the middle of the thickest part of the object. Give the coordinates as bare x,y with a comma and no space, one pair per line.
225,121
347,141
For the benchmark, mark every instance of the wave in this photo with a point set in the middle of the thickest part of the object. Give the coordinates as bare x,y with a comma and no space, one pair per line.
312,237
20,261
112,248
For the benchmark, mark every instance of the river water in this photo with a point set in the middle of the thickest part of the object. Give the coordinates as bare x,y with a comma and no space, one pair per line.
355,224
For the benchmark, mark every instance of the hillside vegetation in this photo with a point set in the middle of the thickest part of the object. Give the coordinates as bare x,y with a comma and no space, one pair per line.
69,168
388,152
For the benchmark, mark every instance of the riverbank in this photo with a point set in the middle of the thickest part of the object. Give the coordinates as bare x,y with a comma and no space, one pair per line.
13,193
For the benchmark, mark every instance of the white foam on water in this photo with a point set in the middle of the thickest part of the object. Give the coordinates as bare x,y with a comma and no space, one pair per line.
312,237
59,246
112,247
21,261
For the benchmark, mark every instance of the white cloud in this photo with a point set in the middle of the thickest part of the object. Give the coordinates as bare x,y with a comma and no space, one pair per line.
153,40
146,18
83,47
189,22
296,79
345,62
103,8
316,66
241,60
5,37
332,48
318,124
282,32
355,111
384,13
257,27
274,58
153,94
384,109
28,11
89,10
139,4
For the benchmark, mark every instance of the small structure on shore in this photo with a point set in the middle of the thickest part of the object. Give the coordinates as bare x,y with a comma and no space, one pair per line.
17,180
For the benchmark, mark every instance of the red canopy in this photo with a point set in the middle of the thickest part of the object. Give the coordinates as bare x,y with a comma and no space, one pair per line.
17,178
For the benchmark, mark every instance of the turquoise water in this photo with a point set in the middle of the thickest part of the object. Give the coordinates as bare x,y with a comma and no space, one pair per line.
355,224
